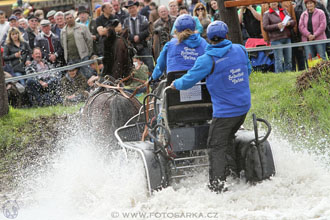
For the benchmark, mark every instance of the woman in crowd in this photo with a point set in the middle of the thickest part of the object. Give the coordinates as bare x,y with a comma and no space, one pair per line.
203,17
16,53
277,23
181,52
214,10
312,26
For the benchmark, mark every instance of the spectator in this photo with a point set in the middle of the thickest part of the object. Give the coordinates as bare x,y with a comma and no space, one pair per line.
249,18
140,75
97,67
279,33
18,12
165,20
4,25
16,53
23,23
14,23
214,10
173,8
77,42
83,18
183,10
43,89
49,44
145,11
153,16
101,23
312,26
50,17
139,31
119,12
39,14
60,24
200,12
74,86
32,30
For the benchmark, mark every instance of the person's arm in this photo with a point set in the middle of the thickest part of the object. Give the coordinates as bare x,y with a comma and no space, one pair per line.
321,28
240,14
88,39
161,63
199,26
266,24
255,13
199,71
6,54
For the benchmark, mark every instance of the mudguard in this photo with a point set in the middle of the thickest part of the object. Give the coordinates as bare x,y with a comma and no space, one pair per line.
256,161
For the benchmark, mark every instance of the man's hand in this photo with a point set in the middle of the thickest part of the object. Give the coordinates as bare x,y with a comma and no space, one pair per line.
18,54
102,31
27,63
93,37
43,84
52,57
136,39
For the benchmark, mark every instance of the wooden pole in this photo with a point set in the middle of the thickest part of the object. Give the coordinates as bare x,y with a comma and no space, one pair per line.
229,4
4,107
230,17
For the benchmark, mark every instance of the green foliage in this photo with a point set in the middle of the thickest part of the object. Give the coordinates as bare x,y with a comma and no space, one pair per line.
275,98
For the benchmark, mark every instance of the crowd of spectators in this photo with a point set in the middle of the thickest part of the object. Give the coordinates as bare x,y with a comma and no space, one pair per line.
42,40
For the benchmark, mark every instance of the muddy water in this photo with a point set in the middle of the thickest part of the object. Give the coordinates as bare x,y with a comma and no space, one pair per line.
84,182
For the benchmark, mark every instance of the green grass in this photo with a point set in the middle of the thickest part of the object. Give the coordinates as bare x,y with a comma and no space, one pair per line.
275,98
14,127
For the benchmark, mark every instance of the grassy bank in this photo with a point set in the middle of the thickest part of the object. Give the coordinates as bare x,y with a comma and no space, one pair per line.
275,97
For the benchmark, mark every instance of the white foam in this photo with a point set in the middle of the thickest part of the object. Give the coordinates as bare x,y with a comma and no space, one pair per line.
84,182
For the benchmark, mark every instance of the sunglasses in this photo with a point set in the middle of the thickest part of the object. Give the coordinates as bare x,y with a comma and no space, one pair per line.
200,9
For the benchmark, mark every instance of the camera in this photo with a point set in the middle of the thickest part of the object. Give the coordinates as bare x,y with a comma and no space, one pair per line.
112,23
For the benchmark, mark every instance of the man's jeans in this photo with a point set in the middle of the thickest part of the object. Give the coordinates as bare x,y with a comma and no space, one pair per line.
285,53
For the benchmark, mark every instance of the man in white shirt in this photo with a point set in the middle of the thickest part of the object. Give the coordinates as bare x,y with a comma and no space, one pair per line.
4,25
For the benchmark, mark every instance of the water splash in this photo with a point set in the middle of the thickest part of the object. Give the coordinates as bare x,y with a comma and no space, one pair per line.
84,181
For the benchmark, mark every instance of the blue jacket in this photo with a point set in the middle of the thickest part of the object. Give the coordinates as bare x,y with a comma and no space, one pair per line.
199,26
228,85
176,57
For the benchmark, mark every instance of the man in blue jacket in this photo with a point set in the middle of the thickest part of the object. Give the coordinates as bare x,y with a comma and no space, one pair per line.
228,85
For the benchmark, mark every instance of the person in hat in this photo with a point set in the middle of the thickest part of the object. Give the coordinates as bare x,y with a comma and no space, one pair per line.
173,56
74,86
43,89
138,26
84,18
50,17
39,14
49,44
18,12
226,67
77,42
312,26
32,30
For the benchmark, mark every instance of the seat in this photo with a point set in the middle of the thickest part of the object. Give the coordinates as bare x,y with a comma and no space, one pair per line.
187,106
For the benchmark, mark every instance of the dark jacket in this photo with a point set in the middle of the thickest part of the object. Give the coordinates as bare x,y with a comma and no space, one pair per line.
161,23
42,42
142,32
122,16
270,22
31,36
17,64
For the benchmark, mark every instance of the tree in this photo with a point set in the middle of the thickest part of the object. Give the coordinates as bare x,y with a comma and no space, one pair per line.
4,107
230,17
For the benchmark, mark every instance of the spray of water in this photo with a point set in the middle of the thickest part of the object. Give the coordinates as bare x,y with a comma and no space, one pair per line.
84,181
